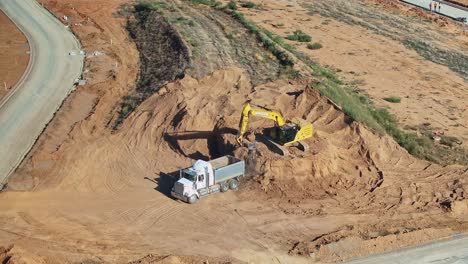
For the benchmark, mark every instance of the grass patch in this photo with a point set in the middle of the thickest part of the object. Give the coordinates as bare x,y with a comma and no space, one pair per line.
263,38
300,36
314,46
361,109
449,141
457,62
392,99
211,3
232,5
145,6
248,4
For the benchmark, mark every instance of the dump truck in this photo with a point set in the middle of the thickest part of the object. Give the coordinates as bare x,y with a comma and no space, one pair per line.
207,177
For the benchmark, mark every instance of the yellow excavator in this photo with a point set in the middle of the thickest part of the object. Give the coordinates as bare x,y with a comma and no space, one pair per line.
283,135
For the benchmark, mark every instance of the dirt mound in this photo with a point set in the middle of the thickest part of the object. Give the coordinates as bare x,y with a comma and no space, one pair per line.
149,259
349,170
5,256
364,183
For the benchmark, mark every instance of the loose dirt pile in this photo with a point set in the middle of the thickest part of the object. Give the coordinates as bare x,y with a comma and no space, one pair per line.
14,55
5,256
179,260
364,184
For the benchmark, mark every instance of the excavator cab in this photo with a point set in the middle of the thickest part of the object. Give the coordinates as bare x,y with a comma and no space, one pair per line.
284,134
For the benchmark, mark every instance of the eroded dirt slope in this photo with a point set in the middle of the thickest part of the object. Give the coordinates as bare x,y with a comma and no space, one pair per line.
354,185
384,53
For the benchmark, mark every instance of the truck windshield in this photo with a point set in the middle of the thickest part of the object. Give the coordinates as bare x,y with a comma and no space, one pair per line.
189,175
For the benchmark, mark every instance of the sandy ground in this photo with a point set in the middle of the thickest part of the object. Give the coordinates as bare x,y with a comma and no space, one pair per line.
460,2
380,66
87,194
14,55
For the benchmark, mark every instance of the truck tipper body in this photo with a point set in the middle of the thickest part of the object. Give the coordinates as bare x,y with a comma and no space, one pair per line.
206,177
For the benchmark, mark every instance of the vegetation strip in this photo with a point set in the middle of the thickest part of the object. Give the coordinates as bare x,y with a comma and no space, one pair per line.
357,106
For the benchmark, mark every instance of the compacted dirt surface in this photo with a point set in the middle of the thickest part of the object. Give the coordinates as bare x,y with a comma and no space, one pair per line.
93,193
377,50
14,55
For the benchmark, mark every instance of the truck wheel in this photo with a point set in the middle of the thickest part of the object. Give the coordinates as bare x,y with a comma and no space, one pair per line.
192,199
224,187
233,184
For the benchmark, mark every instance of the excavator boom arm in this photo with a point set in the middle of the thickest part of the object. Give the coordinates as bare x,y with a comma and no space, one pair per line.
247,110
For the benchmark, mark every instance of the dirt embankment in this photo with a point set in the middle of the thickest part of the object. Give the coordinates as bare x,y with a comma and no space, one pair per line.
463,3
354,185
153,259
191,40
103,195
163,57
111,69
353,33
14,55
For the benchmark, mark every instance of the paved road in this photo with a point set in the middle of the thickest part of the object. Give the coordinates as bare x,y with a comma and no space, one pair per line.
46,83
447,9
454,251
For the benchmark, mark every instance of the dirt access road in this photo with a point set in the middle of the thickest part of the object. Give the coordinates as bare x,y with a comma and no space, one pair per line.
447,10
48,80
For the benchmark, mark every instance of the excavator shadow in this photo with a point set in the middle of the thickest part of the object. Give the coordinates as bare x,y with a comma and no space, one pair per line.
211,136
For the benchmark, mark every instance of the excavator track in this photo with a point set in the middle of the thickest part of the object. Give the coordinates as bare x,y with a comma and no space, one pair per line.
282,149
303,146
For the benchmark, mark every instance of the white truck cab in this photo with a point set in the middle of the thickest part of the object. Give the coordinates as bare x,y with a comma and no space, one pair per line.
206,177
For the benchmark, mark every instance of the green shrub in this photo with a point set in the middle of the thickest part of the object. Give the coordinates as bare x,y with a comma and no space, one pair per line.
211,3
146,6
314,46
248,4
300,36
449,141
393,99
232,5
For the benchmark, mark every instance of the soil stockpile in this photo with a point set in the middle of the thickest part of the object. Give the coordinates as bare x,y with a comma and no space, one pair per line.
14,55
354,184
89,195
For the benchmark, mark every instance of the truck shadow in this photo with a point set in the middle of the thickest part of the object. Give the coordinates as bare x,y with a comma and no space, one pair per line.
164,182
